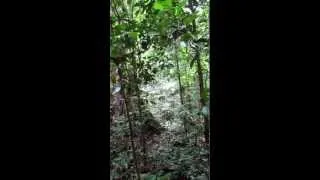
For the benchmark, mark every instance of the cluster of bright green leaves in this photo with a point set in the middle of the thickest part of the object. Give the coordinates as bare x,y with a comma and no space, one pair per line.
162,5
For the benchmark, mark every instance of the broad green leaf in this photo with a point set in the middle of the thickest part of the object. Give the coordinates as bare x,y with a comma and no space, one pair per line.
189,19
162,4
178,11
120,27
134,35
158,6
186,36
166,3
115,52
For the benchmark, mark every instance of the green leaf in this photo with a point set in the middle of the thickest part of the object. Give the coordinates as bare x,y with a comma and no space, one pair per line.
115,52
158,6
162,4
187,36
120,27
167,3
189,19
133,35
178,10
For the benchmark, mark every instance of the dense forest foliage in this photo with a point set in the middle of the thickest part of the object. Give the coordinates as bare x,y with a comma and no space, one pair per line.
159,89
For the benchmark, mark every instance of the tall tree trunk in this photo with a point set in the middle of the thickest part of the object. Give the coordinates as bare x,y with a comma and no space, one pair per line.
180,85
202,100
130,123
179,75
200,78
142,137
